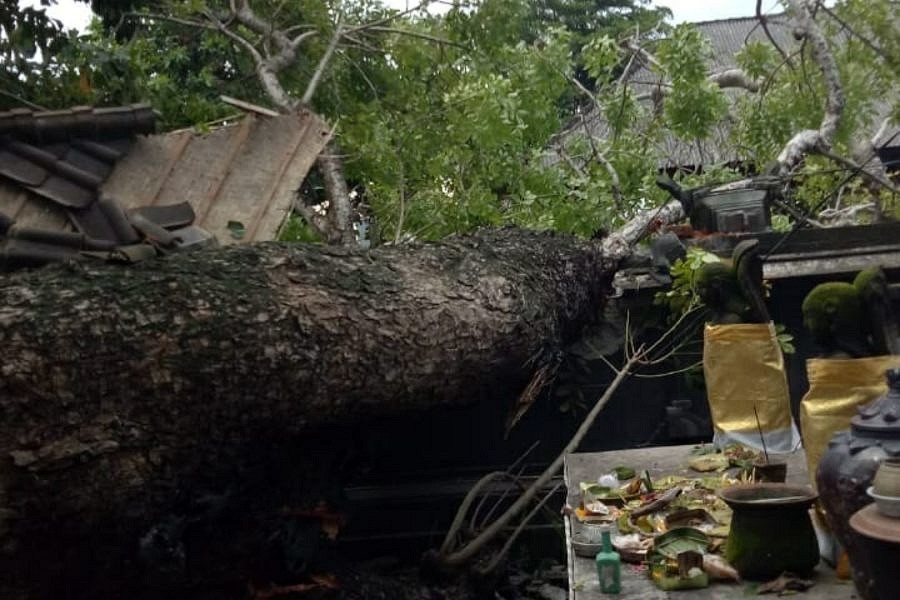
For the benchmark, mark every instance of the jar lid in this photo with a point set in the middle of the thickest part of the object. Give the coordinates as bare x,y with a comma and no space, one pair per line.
868,522
882,416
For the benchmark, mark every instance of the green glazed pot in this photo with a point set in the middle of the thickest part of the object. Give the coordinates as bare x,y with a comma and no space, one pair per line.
771,531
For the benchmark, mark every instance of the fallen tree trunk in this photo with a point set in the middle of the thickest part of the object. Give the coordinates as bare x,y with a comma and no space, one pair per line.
116,379
128,393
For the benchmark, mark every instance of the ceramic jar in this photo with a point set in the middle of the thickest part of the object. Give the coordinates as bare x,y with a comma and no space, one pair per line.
848,468
887,478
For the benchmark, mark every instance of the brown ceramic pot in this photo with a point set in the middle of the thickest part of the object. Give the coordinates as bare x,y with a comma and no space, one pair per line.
880,537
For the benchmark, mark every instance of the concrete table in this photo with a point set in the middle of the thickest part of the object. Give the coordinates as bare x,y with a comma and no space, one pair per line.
668,460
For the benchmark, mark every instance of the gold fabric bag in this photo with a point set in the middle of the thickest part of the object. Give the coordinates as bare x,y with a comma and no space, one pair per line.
836,388
743,367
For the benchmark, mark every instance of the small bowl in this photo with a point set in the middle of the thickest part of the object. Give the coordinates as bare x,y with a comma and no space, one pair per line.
585,548
592,533
889,506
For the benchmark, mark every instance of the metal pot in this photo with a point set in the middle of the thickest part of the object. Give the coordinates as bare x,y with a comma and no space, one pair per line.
771,531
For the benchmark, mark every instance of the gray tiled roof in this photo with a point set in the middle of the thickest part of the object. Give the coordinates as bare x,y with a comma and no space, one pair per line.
62,157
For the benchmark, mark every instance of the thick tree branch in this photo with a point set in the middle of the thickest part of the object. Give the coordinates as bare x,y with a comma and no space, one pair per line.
815,140
340,230
734,78
619,244
247,17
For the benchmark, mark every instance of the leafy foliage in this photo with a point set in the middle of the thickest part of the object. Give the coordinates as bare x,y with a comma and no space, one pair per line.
694,104
445,120
30,71
682,295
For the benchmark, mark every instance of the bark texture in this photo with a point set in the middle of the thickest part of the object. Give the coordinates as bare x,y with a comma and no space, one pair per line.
129,390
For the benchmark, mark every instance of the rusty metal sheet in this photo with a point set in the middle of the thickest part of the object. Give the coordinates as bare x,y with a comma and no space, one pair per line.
246,172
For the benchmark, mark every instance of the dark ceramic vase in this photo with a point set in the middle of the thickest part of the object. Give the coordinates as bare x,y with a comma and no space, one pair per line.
849,466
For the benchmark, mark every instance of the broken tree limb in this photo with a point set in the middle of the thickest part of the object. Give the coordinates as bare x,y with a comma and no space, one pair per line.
821,139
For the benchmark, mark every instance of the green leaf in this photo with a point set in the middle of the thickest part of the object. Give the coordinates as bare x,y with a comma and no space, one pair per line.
237,230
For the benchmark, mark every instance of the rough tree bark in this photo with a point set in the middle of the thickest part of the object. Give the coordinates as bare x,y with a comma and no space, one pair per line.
123,388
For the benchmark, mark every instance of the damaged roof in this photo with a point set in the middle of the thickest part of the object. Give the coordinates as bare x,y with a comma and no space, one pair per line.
83,168
53,163
247,172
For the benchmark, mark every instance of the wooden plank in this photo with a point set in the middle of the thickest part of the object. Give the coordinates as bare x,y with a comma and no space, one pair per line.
255,171
139,177
583,583
226,165
198,171
261,110
847,266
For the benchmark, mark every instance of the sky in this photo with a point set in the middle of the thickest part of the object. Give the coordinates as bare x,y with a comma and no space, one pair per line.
78,14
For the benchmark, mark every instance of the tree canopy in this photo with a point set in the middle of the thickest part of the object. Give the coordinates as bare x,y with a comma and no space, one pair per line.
444,120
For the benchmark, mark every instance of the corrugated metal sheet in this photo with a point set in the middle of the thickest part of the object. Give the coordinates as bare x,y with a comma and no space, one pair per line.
247,172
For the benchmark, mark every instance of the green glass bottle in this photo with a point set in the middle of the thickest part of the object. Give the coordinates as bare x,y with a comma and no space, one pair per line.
609,566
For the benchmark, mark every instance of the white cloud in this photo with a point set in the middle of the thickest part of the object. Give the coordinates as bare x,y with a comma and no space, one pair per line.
78,14
707,10
74,15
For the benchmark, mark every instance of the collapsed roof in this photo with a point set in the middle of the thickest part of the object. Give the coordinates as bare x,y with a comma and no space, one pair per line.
99,173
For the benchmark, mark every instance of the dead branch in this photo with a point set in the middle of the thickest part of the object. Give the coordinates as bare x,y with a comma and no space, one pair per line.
498,557
596,154
401,197
635,357
467,552
763,21
322,65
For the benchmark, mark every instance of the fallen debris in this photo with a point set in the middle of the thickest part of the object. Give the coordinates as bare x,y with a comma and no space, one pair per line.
785,583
